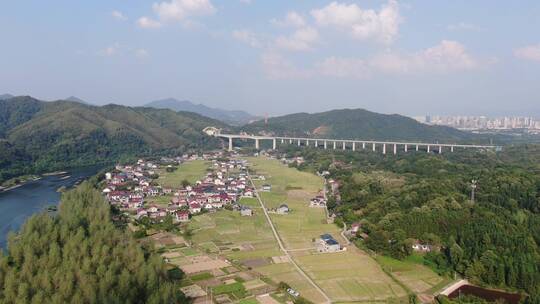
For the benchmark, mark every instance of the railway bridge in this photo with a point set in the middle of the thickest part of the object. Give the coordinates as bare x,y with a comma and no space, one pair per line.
346,144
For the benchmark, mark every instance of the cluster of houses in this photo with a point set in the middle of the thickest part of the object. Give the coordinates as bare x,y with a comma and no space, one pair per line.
132,189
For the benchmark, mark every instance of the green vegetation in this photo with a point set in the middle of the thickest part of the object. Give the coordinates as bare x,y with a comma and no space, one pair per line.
236,289
346,276
189,171
201,276
79,256
426,197
38,136
359,123
248,301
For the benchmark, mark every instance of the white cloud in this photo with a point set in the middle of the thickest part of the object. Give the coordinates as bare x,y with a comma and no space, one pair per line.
117,49
343,67
531,52
463,26
382,26
445,57
292,19
276,66
118,15
111,50
301,40
247,37
146,22
179,10
141,53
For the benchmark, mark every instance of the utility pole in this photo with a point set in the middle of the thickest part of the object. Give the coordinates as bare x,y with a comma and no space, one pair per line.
473,189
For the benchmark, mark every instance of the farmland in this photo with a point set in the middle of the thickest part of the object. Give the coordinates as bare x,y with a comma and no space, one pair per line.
237,257
345,276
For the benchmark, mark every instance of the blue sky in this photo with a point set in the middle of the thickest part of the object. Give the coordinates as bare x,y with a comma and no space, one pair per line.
277,57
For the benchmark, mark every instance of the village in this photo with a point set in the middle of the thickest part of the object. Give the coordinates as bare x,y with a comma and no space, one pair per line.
217,234
133,189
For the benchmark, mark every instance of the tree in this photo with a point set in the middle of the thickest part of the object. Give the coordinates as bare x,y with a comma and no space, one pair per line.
80,256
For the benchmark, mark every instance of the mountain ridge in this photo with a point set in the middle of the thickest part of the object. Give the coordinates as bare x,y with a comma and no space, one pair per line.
232,117
357,124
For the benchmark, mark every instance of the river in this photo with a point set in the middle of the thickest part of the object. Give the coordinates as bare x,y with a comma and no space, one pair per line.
18,204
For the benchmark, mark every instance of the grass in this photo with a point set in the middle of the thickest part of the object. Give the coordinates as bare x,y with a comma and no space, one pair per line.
248,301
235,289
190,171
350,276
347,276
411,272
189,251
201,276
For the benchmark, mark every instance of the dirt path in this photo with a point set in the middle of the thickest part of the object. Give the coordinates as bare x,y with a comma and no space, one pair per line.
282,248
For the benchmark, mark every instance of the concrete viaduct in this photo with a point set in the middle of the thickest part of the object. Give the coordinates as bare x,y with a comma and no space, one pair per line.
344,144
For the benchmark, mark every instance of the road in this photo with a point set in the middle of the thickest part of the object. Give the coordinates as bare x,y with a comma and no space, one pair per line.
282,248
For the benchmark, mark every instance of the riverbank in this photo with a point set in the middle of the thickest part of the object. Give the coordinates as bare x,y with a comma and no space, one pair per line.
34,196
17,182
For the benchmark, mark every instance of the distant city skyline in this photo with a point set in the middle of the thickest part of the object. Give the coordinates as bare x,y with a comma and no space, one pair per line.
466,122
278,57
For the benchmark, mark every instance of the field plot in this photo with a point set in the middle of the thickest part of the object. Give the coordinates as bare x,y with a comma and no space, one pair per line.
190,171
417,277
350,276
248,241
346,276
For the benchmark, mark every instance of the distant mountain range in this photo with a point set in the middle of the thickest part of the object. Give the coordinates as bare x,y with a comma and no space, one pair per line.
42,136
358,124
230,117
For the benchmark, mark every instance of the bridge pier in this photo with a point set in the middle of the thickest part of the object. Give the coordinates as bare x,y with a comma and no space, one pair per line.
344,146
299,142
406,147
395,149
325,144
316,144
282,141
354,146
384,149
290,141
334,145
363,146
440,149
274,144
256,143
230,144
451,148
373,147
428,149
416,148
307,142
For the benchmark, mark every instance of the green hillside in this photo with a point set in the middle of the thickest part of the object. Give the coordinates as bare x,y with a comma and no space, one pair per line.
358,124
55,135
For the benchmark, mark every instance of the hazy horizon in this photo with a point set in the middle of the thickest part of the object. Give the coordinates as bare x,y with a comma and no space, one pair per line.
406,57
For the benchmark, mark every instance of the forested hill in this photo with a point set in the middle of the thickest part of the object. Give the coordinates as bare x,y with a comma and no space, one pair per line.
44,136
359,124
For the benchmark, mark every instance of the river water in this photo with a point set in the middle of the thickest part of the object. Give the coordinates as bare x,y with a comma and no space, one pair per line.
18,204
